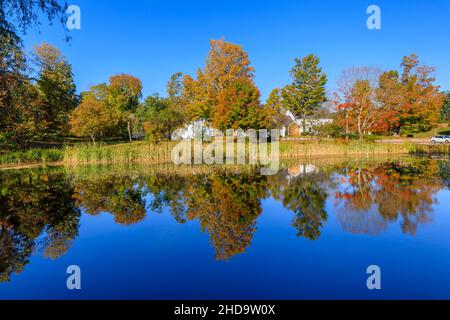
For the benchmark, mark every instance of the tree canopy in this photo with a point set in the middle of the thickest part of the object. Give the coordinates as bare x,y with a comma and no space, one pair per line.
224,92
307,92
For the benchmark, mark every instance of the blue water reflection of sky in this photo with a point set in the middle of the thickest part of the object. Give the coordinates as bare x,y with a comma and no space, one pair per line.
162,259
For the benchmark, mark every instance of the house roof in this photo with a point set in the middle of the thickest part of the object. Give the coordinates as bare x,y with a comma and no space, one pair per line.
284,120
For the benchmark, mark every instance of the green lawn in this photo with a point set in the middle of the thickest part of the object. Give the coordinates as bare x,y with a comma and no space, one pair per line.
439,131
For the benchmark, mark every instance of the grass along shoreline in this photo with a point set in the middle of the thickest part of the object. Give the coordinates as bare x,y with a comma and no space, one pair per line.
148,153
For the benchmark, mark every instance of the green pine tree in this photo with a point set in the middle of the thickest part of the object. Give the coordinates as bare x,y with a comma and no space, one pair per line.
307,92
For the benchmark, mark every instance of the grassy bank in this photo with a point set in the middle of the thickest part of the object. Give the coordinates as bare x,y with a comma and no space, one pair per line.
147,153
161,153
436,149
138,152
294,149
32,156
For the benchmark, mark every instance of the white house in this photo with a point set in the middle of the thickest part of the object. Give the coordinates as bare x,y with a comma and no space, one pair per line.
190,130
294,127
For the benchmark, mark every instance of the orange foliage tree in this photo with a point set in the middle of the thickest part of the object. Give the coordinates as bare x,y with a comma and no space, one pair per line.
224,93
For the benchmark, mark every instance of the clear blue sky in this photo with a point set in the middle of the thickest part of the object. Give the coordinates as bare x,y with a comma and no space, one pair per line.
154,39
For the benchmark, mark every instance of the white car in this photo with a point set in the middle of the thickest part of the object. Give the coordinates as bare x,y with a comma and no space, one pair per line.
440,139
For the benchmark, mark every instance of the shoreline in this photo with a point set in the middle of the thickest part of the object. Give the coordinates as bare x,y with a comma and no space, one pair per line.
151,154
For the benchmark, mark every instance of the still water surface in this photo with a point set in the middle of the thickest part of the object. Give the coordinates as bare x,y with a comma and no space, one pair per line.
202,233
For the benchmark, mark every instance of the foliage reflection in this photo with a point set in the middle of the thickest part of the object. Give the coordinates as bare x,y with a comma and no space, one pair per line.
40,209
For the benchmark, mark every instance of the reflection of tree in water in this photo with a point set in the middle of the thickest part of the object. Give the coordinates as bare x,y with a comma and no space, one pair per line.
168,191
15,251
358,214
368,222
227,207
306,198
444,172
32,204
38,209
392,191
119,196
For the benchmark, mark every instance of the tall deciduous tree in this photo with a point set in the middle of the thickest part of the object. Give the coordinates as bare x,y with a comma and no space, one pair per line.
94,117
12,69
175,92
445,111
412,99
356,98
273,108
159,118
125,93
224,92
238,107
390,95
16,16
307,91
422,100
57,90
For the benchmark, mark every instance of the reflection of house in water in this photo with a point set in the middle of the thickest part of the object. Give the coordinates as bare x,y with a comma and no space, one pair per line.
301,170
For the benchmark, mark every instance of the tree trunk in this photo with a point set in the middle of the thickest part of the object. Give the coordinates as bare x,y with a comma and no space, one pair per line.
129,130
346,125
304,125
361,134
92,137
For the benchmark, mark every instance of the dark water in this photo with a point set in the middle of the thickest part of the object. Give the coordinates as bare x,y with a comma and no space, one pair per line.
200,233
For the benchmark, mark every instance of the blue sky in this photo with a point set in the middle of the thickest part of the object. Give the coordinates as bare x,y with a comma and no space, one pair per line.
154,39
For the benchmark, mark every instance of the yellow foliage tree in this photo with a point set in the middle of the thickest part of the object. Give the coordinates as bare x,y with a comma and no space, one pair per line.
93,118
224,93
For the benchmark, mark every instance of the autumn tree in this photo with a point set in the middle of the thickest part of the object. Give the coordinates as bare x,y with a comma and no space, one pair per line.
390,95
125,91
57,91
224,93
307,92
409,102
159,118
445,111
274,100
422,100
356,99
94,117
174,90
17,95
273,108
238,107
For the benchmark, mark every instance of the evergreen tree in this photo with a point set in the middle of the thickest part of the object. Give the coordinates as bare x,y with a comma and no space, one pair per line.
307,92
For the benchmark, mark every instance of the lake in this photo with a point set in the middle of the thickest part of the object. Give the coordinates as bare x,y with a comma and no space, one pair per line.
166,232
